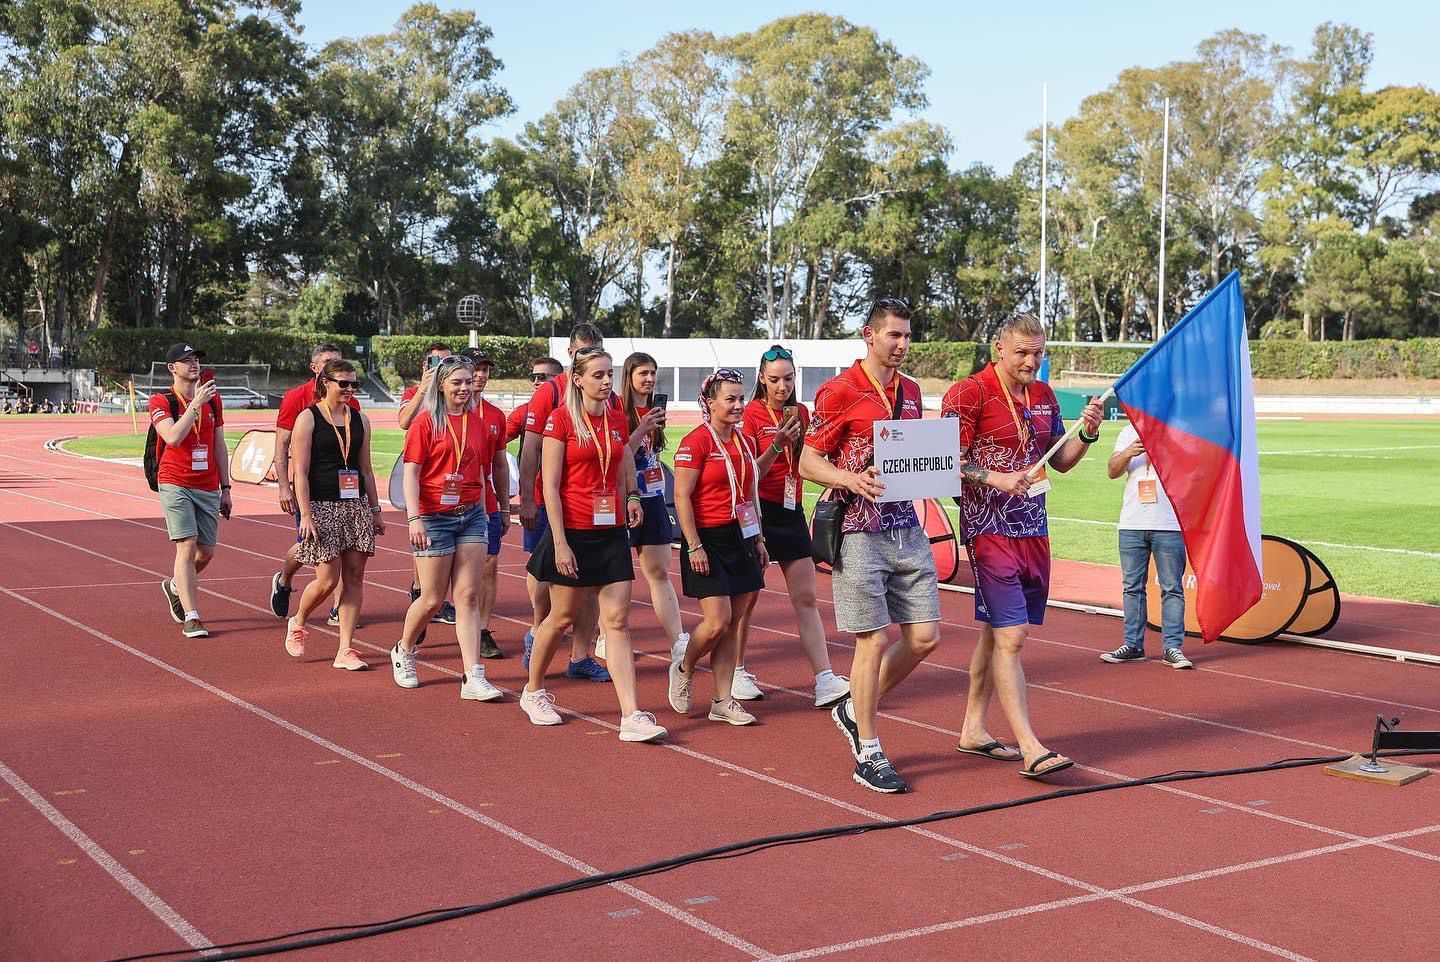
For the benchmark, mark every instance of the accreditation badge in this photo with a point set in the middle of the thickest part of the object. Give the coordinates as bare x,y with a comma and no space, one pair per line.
349,485
1148,493
200,457
792,492
1039,485
749,520
654,480
603,509
450,489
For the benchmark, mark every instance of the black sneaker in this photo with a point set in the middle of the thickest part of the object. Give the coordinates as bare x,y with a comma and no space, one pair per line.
334,618
847,726
1175,658
1123,654
445,616
177,610
414,593
279,596
876,774
488,648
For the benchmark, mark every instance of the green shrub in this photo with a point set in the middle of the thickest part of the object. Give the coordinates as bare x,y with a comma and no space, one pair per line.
512,355
1420,357
122,350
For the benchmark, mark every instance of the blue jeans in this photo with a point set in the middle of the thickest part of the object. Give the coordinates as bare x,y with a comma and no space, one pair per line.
1168,550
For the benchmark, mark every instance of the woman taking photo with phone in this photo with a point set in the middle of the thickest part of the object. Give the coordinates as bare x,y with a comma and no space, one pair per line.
775,424
722,552
339,506
652,540
449,527
587,477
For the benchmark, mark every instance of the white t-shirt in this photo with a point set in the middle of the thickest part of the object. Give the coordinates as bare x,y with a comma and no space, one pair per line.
1135,516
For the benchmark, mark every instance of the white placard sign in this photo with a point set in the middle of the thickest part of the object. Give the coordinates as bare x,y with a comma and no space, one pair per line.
918,458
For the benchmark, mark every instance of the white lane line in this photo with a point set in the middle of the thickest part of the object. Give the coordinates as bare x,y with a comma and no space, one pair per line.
802,791
645,898
142,893
1398,447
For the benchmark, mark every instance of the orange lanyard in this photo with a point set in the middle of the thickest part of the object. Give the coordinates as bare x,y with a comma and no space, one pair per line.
602,456
1020,437
887,397
345,441
789,454
459,442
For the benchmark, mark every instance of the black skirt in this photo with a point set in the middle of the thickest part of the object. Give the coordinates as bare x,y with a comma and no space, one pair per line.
734,564
655,529
602,557
787,535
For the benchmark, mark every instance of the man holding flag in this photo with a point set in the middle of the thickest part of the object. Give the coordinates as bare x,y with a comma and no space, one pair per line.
1008,419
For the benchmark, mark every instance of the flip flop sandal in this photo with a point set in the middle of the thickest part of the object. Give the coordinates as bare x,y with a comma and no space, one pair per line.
988,750
1029,770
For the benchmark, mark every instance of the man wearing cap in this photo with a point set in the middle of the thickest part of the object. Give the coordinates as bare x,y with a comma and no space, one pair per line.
296,400
193,476
497,493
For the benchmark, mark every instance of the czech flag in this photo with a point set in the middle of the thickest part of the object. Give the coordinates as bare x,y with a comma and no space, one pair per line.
1191,400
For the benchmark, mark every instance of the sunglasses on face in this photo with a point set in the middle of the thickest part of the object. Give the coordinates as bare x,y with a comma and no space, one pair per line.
777,354
538,376
345,385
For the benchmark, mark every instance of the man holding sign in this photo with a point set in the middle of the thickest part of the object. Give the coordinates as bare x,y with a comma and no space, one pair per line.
1008,419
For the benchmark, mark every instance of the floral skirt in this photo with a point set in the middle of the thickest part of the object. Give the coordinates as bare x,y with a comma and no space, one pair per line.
342,526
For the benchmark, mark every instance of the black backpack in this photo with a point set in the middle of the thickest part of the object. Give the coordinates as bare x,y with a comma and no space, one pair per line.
155,446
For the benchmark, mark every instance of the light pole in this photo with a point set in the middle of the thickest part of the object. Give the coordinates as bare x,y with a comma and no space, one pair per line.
471,313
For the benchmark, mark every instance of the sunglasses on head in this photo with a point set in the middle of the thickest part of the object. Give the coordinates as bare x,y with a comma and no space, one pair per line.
345,385
587,351
729,374
777,353
898,306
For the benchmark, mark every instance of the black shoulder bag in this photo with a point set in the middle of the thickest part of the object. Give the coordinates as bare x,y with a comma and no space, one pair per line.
825,527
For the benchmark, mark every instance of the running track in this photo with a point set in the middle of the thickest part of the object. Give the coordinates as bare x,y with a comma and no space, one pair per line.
159,792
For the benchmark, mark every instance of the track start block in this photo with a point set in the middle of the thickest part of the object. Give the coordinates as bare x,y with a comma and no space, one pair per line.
1397,775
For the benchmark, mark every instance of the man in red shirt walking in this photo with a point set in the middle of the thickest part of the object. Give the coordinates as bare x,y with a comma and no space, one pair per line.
1008,419
194,478
296,400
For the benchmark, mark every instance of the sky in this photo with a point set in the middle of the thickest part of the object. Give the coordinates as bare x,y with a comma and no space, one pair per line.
987,61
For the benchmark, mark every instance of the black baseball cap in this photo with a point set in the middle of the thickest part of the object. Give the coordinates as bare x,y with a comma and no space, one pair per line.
178,352
477,356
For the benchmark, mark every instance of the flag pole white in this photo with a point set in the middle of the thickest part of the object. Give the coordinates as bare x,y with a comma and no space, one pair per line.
1070,433
1044,185
1164,190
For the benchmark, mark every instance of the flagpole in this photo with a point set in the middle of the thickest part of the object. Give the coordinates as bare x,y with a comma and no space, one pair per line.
1044,185
1164,190
1074,429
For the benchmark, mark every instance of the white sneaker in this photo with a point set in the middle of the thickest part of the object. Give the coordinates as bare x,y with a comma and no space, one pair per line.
731,712
640,727
679,688
743,687
539,705
831,690
476,688
600,647
677,650
402,663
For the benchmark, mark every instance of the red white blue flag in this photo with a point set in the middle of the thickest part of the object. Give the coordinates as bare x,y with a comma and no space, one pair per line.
1191,399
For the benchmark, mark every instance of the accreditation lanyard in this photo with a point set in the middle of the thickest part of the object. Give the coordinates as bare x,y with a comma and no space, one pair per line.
604,511
1146,488
349,480
1040,483
652,479
792,481
199,452
743,510
450,484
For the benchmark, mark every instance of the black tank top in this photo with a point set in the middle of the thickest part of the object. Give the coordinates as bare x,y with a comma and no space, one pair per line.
325,460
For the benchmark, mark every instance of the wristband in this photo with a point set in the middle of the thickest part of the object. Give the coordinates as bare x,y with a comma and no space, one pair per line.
776,448
1086,438
632,496
224,487
413,519
376,510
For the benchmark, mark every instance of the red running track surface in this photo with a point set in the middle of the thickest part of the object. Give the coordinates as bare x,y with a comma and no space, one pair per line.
158,792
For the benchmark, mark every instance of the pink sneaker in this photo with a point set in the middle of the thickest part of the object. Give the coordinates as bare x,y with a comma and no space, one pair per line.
540,707
295,639
640,727
348,659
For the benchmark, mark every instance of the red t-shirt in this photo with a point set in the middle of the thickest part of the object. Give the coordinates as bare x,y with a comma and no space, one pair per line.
843,430
515,423
175,459
547,398
492,420
760,424
582,478
712,501
988,433
437,457
297,399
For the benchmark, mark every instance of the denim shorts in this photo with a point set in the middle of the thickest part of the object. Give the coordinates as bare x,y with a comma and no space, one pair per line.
542,524
446,530
493,533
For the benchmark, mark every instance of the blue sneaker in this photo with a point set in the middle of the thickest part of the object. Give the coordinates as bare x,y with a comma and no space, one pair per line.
587,668
529,643
445,616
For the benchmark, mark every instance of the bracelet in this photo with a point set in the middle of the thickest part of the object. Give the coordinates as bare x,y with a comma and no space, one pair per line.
1086,438
224,487
632,496
776,448
376,510
413,519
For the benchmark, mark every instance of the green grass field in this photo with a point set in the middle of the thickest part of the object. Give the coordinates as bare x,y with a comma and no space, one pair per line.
1360,494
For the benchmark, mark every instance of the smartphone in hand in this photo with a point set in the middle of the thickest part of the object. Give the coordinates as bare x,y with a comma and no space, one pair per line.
206,376
659,401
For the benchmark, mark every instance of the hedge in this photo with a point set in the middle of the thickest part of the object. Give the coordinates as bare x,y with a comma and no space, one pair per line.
130,350
512,355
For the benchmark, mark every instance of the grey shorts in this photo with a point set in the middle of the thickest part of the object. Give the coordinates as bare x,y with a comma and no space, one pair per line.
885,578
190,513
